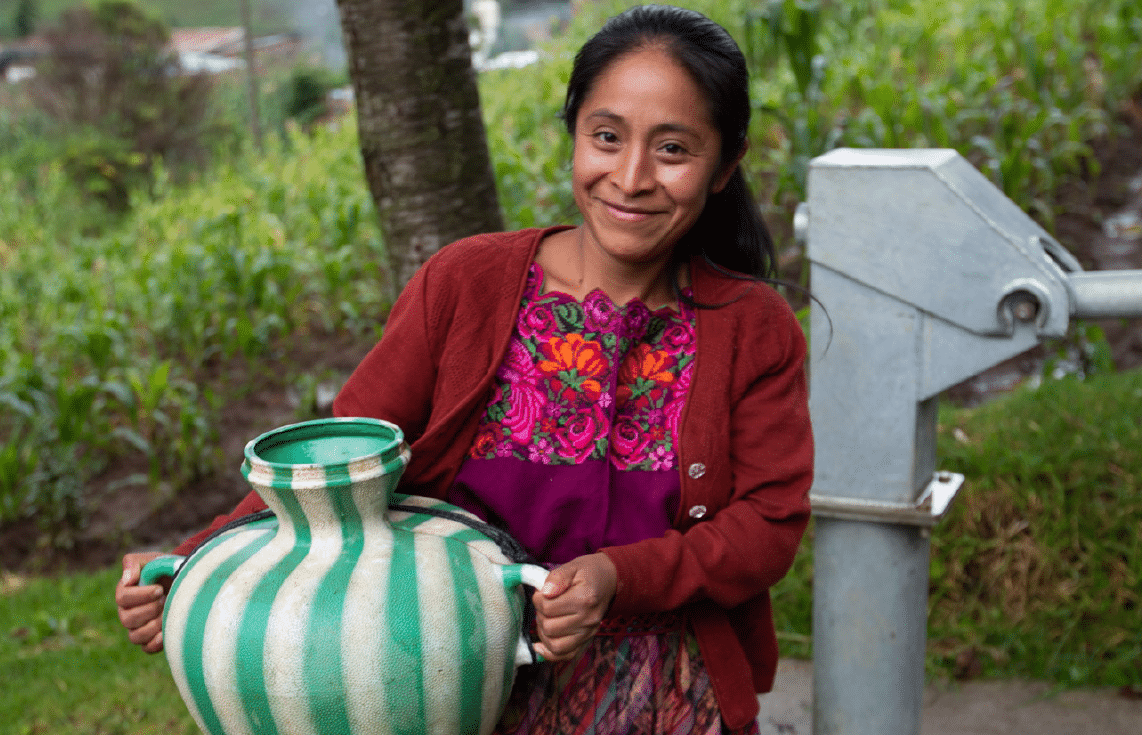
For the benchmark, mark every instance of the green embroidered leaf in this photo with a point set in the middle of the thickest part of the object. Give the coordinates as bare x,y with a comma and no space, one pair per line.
654,329
570,317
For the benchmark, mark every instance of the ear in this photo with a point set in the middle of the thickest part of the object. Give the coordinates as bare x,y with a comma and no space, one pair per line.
723,176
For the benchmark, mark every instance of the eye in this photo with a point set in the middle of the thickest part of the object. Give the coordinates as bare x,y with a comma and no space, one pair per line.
673,149
606,137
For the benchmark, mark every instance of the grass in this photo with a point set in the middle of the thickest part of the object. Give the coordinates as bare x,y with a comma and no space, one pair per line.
68,668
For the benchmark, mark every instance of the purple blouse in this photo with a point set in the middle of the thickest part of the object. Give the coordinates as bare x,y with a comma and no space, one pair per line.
576,449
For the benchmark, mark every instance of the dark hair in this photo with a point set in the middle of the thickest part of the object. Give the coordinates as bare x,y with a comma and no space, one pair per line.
730,232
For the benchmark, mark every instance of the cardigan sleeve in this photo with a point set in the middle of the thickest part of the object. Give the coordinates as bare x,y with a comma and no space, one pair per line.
750,495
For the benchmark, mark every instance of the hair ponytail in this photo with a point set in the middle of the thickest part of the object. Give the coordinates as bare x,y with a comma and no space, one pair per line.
730,233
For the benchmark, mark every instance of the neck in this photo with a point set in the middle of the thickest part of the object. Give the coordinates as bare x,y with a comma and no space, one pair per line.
622,281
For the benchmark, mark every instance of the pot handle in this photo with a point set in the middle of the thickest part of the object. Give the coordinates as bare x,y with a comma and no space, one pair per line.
159,567
531,575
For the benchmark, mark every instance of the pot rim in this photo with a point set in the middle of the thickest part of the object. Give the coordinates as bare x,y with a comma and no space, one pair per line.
306,475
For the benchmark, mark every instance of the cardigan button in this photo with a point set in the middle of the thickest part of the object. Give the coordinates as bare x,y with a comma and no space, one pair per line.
696,470
697,511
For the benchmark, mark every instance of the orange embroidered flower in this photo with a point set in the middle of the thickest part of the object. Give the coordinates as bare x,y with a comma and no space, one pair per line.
646,363
574,356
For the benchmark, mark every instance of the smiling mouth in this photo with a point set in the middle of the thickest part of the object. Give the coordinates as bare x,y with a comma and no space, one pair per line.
627,214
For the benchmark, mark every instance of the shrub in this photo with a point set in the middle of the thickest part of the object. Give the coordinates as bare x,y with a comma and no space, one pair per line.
109,73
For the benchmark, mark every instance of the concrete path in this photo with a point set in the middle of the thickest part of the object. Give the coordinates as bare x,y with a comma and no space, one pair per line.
968,708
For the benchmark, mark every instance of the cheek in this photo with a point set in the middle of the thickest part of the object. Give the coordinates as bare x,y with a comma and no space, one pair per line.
587,167
688,187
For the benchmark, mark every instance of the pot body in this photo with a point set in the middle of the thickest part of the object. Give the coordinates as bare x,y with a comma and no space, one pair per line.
338,616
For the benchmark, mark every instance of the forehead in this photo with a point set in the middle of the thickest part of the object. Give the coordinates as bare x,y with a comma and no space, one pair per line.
648,82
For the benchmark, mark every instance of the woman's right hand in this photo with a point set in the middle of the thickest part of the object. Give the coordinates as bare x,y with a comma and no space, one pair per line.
141,608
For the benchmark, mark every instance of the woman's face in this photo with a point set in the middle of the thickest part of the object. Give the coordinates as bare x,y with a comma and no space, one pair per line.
647,155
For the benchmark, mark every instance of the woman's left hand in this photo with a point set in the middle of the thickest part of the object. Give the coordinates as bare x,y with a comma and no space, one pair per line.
572,603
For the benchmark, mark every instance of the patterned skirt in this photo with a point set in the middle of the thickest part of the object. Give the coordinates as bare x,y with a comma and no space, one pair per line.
640,676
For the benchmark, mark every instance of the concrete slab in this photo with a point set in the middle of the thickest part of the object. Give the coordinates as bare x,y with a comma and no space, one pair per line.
968,708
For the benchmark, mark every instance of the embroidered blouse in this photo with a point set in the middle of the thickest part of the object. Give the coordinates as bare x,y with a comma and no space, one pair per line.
577,446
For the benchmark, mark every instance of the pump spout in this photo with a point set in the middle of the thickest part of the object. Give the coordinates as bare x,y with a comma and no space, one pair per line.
1106,294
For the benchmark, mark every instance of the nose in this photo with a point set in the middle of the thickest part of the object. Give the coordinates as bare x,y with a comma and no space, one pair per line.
633,173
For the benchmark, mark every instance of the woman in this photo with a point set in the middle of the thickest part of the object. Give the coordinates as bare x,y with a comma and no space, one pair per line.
622,396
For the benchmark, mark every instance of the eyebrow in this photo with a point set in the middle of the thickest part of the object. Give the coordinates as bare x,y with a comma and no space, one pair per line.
666,127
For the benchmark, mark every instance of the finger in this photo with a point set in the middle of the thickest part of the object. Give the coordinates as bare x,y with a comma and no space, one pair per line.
145,635
562,648
155,644
543,651
137,617
579,600
128,597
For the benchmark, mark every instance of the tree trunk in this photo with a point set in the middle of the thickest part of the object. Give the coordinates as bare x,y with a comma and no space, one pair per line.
421,132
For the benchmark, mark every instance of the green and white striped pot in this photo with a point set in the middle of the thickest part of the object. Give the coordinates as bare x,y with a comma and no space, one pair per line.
339,616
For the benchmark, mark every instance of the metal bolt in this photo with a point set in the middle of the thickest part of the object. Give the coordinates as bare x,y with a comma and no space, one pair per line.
1025,311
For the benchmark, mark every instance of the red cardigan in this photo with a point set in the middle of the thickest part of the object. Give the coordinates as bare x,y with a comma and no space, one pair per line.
746,453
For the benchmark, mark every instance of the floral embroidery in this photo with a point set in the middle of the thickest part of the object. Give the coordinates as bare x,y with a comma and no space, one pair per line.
590,380
576,364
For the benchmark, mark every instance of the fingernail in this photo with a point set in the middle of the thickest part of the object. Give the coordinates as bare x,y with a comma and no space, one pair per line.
548,588
126,576
158,592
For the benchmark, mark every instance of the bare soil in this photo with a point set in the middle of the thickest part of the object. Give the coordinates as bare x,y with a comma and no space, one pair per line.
131,517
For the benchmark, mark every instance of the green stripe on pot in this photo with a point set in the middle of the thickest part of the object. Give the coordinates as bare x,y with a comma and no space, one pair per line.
404,660
250,664
323,672
474,641
194,637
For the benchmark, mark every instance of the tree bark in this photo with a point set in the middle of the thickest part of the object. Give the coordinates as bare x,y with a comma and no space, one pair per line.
421,132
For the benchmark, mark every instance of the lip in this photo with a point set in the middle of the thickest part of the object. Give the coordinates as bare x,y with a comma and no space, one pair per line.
627,214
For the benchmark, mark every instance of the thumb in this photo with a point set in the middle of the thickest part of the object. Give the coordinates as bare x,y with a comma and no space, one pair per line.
131,570
558,580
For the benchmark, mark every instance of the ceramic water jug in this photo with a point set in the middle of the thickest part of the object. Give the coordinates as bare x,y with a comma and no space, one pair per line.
339,614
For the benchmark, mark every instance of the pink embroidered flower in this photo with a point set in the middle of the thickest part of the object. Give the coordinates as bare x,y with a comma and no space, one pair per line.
677,336
673,411
637,317
537,320
600,312
628,442
577,439
540,452
677,401
661,458
526,409
517,366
